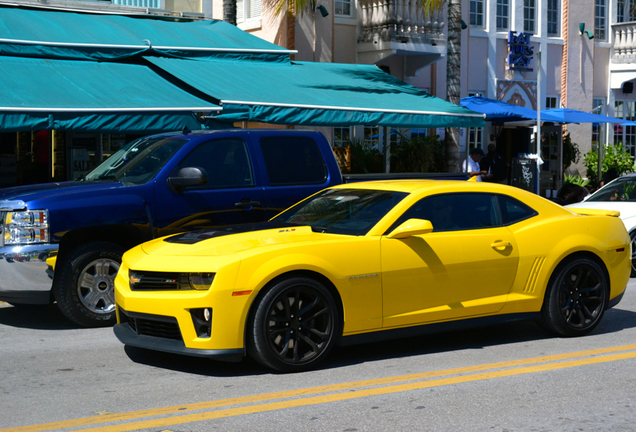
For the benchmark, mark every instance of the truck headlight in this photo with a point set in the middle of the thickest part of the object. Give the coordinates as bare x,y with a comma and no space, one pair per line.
26,227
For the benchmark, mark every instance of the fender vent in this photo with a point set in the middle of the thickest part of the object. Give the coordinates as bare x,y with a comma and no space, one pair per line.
531,283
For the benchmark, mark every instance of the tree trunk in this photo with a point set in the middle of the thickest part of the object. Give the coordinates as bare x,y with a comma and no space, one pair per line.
291,29
229,11
453,84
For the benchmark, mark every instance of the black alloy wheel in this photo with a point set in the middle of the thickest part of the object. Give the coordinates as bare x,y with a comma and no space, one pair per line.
295,325
577,297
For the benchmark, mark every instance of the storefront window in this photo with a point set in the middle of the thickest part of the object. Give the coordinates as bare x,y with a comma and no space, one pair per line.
625,135
341,136
372,136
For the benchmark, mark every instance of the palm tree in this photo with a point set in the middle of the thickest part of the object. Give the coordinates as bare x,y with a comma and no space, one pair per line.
453,70
290,8
229,11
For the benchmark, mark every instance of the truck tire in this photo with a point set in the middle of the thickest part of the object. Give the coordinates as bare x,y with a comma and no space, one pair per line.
84,284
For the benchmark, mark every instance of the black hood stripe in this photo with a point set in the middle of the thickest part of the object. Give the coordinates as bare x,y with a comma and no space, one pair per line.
197,236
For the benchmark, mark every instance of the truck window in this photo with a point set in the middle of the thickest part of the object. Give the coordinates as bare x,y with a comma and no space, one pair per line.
226,162
138,162
293,161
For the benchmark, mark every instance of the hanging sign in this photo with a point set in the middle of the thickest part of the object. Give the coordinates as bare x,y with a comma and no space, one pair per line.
520,51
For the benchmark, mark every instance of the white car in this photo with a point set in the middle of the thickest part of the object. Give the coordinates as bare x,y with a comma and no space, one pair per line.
619,194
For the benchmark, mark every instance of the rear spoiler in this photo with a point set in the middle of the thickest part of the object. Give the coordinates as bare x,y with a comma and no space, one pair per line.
595,212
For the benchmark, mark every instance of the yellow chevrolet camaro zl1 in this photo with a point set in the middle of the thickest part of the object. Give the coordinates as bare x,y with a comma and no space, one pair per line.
371,261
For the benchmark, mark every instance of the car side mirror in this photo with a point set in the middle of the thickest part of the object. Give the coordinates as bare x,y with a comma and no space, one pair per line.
187,177
410,228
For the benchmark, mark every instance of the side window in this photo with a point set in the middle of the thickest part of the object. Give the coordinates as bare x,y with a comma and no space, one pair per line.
513,211
455,212
293,161
225,161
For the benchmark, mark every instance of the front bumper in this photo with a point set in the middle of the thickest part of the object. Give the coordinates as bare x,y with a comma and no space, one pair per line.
172,344
25,276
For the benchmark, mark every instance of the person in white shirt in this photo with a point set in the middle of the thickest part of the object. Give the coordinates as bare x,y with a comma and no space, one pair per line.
471,165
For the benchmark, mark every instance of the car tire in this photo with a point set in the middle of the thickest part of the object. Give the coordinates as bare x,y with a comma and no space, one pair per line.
632,236
294,325
84,284
576,297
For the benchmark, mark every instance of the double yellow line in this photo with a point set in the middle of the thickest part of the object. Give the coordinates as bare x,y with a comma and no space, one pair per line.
333,393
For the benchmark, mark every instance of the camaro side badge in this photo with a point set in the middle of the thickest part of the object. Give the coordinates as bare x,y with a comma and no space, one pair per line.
287,230
363,276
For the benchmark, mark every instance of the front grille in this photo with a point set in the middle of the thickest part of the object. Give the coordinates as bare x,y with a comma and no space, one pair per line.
151,325
158,281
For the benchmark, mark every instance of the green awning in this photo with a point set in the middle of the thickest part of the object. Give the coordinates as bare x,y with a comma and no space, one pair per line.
106,72
99,36
99,96
315,94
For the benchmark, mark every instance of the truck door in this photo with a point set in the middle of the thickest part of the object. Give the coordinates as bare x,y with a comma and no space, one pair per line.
230,196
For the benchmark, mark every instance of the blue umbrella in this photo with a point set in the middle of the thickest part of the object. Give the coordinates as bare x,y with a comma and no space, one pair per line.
567,115
502,112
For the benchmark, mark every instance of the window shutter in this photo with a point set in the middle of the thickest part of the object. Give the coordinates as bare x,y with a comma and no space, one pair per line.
255,9
240,7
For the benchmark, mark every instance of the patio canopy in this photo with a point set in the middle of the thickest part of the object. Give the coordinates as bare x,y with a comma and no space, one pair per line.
99,36
78,64
82,95
502,112
316,94
567,115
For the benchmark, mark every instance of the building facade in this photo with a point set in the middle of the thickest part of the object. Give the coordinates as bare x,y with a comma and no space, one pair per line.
586,49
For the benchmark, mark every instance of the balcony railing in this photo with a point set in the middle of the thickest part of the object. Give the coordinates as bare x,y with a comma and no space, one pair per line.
624,42
139,3
400,20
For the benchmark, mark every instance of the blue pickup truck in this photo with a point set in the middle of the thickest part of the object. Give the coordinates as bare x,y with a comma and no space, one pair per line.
154,186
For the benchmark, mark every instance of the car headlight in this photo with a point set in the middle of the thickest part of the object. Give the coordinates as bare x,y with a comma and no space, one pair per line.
201,281
26,227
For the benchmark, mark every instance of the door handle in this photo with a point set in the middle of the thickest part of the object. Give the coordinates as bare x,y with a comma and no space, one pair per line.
247,204
501,245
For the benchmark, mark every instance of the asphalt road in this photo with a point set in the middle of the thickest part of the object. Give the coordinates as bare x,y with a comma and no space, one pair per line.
512,377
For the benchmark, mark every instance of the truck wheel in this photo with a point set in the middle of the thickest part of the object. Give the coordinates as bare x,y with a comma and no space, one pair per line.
84,284
295,325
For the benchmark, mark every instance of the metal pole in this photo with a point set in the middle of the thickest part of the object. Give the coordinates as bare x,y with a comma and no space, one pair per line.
538,139
601,146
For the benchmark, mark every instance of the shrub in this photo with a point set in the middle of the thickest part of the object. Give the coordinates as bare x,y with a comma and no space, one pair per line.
616,157
576,180
364,158
418,155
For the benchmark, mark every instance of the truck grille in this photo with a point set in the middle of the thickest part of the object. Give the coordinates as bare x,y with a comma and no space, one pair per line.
151,325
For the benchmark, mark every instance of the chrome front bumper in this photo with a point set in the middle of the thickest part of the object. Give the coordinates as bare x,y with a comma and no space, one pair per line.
25,277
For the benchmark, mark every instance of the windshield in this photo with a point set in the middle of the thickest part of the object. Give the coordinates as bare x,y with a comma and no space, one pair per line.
342,211
621,189
138,162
